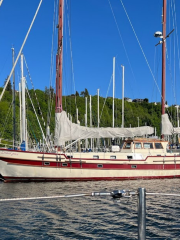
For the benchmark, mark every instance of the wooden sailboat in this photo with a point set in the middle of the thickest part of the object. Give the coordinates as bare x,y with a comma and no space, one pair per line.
139,158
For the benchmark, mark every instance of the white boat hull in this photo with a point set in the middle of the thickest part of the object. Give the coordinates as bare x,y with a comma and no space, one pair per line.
24,166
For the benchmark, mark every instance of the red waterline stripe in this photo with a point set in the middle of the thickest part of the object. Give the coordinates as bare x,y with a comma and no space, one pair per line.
29,179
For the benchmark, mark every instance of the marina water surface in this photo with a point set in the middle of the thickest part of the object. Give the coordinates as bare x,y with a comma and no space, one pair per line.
88,217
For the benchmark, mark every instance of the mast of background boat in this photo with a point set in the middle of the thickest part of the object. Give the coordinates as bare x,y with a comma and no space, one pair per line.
59,60
23,107
122,96
20,118
113,96
86,141
163,60
90,109
113,89
14,112
98,114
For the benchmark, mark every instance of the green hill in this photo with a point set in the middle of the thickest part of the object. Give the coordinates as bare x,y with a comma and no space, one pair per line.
148,113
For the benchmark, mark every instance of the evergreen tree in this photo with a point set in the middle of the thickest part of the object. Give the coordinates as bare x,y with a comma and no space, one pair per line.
9,86
77,94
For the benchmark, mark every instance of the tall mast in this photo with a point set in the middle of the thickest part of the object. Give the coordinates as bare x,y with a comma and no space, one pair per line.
113,90
59,60
163,59
14,112
122,96
23,106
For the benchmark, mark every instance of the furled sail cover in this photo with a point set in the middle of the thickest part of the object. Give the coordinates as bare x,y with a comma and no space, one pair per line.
65,130
167,127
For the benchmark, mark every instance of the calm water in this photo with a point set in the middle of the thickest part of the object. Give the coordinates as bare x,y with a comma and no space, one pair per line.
88,217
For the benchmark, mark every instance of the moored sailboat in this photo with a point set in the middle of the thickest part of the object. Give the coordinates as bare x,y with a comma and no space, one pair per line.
138,158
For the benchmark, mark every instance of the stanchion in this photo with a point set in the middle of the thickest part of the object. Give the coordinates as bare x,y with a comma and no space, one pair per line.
141,213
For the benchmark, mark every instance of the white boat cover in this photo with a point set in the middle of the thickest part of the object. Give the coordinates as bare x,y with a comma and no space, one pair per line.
65,130
167,127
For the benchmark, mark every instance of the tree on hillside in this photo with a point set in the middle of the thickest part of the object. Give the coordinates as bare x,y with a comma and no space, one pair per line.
84,93
9,86
77,94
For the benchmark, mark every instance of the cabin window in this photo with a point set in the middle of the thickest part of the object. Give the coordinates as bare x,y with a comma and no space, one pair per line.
148,145
127,146
138,145
68,156
112,157
99,165
46,163
133,166
158,146
95,156
129,157
64,164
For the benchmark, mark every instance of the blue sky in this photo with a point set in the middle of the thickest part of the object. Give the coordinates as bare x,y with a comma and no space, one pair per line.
95,40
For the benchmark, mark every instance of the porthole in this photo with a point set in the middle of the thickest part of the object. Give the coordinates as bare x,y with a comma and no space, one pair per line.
46,163
99,165
64,164
133,166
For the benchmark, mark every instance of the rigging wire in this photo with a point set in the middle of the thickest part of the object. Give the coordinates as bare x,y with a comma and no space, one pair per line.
6,119
177,40
124,50
123,45
72,67
171,77
173,21
140,47
34,92
20,51
105,98
37,117
51,94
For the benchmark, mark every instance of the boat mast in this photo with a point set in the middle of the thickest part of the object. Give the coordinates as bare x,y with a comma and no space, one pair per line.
59,60
163,58
14,111
113,90
122,96
23,107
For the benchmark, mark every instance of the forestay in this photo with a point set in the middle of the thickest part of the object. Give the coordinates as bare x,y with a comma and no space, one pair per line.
65,130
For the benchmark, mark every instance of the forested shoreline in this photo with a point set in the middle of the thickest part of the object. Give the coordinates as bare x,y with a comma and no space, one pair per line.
146,113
